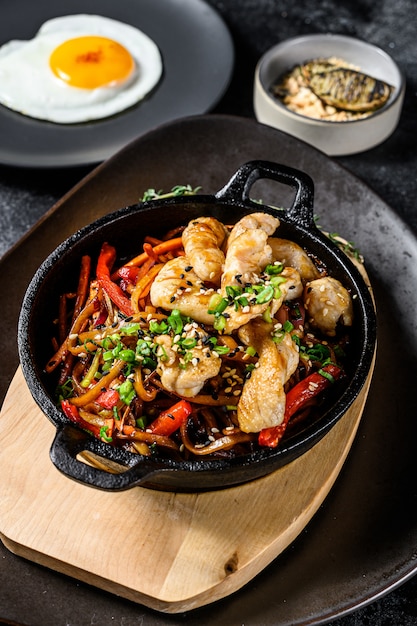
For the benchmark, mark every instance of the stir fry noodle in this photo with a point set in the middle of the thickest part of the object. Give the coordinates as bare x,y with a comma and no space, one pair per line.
212,342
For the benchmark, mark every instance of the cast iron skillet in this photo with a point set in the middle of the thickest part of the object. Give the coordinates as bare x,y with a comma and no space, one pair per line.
125,229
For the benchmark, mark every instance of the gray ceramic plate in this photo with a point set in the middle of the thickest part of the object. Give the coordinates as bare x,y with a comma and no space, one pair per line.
361,543
198,58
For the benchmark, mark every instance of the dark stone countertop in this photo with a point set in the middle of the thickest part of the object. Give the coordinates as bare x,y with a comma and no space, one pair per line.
389,169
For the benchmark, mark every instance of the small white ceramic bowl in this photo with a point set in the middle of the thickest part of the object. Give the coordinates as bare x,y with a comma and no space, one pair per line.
333,138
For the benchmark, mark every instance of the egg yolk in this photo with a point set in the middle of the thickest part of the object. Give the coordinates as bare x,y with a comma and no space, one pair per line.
90,62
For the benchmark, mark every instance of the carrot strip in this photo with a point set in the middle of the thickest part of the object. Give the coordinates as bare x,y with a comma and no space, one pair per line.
154,241
150,251
161,248
143,286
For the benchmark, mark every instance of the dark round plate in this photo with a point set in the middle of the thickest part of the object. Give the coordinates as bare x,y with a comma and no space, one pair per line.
198,59
362,542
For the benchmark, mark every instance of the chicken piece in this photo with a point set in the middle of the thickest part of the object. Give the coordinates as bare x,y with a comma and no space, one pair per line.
248,251
177,286
293,255
186,376
328,303
203,239
262,403
289,290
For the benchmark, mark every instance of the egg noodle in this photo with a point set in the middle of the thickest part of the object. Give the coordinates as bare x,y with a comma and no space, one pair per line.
157,381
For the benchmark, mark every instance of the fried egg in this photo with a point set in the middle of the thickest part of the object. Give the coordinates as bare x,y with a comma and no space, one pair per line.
78,68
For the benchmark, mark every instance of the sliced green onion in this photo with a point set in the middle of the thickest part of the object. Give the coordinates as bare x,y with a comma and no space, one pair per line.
265,295
141,422
127,355
278,336
214,301
325,374
271,270
130,329
66,390
221,306
221,349
126,391
219,322
176,322
188,343
103,434
232,291
276,281
266,316
158,328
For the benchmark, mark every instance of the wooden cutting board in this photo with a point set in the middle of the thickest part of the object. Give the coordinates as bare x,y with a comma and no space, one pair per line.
171,552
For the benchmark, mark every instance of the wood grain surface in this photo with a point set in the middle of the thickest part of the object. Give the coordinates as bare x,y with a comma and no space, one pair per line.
169,551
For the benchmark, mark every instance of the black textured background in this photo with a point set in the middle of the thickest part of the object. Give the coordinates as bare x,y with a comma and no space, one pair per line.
390,169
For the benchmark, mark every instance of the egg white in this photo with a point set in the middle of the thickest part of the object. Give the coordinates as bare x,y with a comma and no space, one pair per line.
28,85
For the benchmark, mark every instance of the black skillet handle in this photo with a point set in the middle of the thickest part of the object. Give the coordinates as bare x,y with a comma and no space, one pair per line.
69,442
239,186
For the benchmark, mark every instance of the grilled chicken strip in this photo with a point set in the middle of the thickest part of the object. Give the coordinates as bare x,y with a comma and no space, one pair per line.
177,286
293,255
203,239
262,403
248,251
327,303
186,381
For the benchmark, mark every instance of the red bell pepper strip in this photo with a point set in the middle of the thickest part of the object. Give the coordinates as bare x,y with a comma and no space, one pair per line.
104,264
169,421
108,399
297,398
128,273
73,414
101,432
